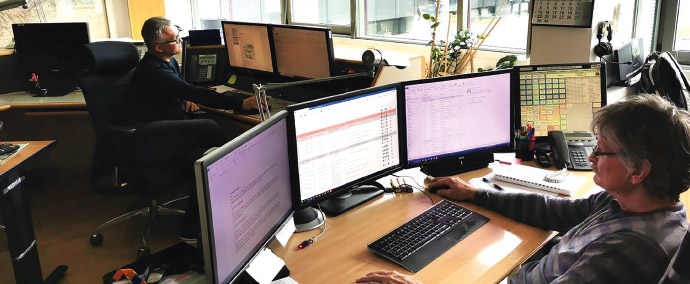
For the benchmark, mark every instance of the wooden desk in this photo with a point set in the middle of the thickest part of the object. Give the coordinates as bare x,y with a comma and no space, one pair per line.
19,227
340,256
26,100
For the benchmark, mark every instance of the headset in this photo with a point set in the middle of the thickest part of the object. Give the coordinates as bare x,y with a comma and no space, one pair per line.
605,48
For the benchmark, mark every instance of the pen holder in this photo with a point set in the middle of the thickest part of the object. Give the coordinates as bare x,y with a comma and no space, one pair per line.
524,149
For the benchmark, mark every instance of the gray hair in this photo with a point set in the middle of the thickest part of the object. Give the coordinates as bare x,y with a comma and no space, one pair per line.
152,29
648,127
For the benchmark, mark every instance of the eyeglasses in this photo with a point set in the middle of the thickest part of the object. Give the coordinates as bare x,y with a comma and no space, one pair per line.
177,38
598,153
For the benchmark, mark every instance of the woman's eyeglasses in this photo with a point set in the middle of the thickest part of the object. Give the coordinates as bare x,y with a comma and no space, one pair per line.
598,153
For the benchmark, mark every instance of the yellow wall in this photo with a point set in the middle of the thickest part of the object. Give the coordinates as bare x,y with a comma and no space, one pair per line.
140,11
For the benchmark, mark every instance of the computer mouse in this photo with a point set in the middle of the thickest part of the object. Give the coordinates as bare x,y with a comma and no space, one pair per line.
436,188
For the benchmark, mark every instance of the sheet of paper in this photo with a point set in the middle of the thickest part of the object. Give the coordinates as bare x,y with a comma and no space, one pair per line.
286,231
265,266
286,280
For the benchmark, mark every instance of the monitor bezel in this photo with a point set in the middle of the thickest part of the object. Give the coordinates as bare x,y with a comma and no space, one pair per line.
329,46
292,147
201,174
402,121
519,69
271,47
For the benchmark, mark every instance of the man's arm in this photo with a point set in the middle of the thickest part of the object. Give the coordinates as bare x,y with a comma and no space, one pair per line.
624,257
168,83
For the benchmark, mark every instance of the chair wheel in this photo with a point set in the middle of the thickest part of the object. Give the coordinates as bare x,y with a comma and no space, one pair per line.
96,239
143,252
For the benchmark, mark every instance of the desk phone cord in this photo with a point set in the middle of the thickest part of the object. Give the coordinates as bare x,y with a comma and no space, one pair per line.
311,240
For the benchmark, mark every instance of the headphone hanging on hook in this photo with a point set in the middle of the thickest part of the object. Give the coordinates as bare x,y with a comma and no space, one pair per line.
605,48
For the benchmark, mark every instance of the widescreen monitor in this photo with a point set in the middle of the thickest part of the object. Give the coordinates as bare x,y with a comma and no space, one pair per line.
341,142
305,52
453,124
53,52
244,196
561,97
249,46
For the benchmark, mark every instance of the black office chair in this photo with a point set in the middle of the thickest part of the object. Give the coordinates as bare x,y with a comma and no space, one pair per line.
105,86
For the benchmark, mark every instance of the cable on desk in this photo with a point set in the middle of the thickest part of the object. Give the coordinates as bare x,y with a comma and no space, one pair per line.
311,240
418,187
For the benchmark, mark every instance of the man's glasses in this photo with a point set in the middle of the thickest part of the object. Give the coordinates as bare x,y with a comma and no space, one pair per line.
177,38
598,153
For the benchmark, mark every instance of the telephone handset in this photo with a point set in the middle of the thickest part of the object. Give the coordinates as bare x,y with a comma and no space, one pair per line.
571,149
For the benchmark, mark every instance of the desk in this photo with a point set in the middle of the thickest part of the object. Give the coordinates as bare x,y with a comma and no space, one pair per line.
28,101
19,227
486,256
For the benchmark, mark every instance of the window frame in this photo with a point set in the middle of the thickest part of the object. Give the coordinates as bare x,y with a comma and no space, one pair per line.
666,30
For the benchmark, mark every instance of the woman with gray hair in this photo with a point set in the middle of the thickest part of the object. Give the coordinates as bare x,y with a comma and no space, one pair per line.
625,234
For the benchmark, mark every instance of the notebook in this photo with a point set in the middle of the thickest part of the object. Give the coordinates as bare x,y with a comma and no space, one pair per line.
534,178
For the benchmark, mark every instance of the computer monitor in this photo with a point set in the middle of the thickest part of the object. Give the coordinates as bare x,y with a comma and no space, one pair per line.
340,143
53,52
560,97
244,196
249,46
454,124
305,52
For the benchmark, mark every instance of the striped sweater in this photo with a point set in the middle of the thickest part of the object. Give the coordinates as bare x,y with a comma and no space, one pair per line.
601,242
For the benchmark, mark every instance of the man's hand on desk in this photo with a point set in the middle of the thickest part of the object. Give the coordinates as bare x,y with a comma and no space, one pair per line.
458,188
388,277
250,104
188,106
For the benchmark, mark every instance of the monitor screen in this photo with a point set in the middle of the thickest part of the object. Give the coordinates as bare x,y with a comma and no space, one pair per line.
49,46
341,141
455,116
249,46
297,47
244,197
560,97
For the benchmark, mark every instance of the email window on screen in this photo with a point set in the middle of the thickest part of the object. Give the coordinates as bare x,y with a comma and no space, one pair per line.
345,140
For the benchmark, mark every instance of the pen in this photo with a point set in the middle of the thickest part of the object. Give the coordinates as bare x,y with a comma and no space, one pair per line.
496,186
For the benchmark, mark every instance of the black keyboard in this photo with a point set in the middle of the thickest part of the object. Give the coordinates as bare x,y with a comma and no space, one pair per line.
416,243
8,148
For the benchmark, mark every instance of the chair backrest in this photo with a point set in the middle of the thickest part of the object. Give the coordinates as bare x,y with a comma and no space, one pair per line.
106,82
105,85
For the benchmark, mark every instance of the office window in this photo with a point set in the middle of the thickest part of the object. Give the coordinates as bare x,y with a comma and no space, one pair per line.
261,11
674,30
323,12
510,33
90,11
403,19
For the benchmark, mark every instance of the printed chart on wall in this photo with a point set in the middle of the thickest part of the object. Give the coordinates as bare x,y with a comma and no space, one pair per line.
572,13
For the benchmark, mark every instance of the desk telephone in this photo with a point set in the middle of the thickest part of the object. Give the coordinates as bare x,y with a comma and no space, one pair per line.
571,149
202,67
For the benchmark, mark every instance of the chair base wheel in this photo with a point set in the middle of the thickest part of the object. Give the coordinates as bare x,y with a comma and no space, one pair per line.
96,239
143,252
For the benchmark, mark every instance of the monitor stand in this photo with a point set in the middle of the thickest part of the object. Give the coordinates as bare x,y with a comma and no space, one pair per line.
307,219
341,203
468,163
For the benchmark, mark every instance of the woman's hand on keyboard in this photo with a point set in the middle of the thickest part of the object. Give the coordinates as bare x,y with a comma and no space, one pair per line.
388,277
458,188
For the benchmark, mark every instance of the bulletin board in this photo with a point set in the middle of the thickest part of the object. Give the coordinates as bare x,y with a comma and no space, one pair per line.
571,13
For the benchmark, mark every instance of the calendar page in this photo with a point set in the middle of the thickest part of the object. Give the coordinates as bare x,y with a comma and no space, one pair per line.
573,13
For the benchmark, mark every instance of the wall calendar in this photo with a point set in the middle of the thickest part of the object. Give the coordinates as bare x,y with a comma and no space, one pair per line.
572,13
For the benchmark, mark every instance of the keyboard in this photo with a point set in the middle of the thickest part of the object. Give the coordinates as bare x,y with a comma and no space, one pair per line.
8,148
419,241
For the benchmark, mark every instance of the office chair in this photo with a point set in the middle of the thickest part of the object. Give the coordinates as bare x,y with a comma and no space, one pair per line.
677,271
105,85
